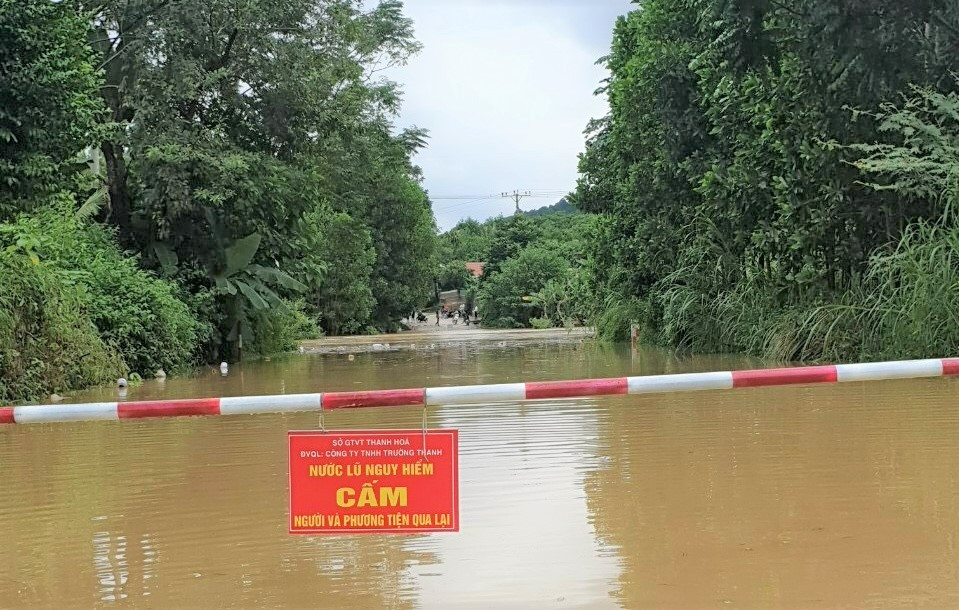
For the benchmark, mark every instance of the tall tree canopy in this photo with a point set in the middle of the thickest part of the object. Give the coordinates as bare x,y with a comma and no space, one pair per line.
229,169
724,170
48,106
236,118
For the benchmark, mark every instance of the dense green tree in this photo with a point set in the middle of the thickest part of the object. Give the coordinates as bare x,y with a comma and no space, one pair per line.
729,193
237,119
506,297
343,297
510,236
49,108
469,241
225,76
404,236
453,275
248,159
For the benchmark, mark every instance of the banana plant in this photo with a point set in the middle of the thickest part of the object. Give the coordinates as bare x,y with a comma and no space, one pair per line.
240,275
248,288
93,174
251,283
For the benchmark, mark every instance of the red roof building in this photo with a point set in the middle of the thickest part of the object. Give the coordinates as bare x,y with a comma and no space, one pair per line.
476,268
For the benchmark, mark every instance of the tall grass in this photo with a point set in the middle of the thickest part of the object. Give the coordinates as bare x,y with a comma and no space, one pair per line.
908,303
617,315
905,306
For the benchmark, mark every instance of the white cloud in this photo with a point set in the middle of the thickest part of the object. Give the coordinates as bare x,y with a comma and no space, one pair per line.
505,89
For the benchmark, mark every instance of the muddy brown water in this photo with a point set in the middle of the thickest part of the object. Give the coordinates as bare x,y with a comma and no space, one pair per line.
800,497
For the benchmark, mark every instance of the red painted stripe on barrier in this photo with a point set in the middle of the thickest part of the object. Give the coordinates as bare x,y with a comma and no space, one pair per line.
950,366
571,389
169,408
374,398
6,415
785,376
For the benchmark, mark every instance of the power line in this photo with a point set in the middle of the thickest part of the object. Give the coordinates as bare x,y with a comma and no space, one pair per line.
516,196
459,197
457,205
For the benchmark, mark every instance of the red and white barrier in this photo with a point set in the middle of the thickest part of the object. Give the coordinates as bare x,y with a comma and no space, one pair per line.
478,394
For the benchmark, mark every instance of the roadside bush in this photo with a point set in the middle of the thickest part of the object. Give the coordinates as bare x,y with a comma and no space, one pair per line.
540,323
48,343
138,314
905,307
617,314
280,329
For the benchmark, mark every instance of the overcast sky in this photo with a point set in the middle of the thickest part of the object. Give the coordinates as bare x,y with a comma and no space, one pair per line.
505,88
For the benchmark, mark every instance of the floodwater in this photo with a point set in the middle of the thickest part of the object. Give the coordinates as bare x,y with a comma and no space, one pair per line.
800,497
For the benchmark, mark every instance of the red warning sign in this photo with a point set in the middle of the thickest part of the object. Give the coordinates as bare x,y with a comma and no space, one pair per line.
374,481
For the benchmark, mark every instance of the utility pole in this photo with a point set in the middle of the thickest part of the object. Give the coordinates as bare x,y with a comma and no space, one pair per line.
516,196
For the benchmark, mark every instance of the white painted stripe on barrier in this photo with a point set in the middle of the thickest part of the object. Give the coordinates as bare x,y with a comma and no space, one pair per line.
478,394
473,394
902,369
234,405
32,414
682,382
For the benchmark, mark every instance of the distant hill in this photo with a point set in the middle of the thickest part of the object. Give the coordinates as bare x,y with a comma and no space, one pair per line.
560,207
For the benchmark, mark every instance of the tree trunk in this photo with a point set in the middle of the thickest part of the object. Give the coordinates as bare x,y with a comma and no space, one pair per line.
118,211
116,72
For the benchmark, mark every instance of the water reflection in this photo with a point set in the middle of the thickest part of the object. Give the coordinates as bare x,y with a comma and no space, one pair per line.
109,562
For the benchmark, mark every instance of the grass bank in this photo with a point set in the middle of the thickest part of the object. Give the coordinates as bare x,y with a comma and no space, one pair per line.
905,305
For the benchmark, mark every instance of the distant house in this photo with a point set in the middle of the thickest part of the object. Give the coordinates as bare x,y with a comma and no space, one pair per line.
476,268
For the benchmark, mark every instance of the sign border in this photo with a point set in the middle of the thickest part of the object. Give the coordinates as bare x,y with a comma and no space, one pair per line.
454,526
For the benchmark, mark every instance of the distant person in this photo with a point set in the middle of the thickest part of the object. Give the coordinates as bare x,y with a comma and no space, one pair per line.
437,316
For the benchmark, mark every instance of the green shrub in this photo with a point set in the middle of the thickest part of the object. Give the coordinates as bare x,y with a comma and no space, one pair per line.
905,307
48,343
280,329
617,315
138,314
141,315
540,323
